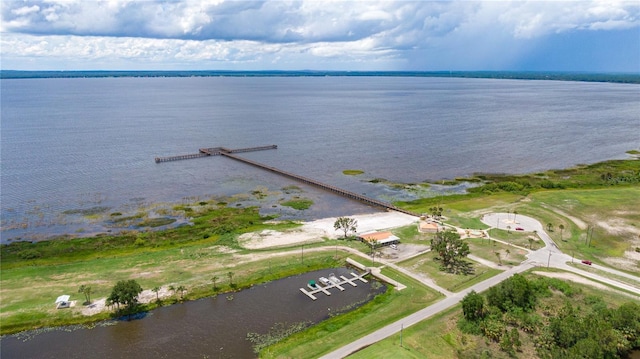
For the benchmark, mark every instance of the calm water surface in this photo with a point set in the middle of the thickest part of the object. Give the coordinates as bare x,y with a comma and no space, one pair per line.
207,328
72,144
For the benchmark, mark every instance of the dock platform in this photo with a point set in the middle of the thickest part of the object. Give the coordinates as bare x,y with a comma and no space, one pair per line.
338,285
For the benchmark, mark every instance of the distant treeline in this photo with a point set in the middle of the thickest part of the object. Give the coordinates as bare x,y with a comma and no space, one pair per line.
518,75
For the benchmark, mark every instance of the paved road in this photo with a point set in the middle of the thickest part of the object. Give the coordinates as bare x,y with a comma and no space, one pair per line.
550,256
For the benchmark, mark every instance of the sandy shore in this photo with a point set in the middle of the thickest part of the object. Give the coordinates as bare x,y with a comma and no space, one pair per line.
318,230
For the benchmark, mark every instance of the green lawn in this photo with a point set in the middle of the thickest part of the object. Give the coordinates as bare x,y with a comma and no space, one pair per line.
426,264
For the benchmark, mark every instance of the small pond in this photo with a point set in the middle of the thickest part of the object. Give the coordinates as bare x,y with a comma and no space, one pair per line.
214,327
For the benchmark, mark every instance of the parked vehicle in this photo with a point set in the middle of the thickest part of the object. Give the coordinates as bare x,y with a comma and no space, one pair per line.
324,281
519,229
586,262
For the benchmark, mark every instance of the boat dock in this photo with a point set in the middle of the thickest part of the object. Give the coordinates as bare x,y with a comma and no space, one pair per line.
338,284
226,152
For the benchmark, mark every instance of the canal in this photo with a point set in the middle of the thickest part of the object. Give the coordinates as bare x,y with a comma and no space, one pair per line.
214,327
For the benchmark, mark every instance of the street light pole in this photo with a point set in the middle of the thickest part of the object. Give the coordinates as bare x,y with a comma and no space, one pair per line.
549,261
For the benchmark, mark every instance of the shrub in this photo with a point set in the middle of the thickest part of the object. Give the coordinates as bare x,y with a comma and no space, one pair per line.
29,254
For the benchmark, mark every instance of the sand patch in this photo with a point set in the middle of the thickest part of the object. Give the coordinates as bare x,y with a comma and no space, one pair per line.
270,238
146,296
316,231
618,227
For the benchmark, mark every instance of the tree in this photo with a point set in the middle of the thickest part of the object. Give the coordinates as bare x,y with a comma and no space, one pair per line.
507,251
508,229
473,306
156,289
498,255
346,224
550,227
181,289
230,275
515,213
86,290
530,242
561,226
450,249
125,292
436,212
214,279
172,289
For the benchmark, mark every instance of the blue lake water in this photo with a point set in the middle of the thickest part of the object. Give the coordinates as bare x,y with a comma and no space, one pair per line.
79,143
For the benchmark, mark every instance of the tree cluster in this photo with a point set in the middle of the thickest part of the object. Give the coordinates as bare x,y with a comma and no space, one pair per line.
451,251
125,293
509,309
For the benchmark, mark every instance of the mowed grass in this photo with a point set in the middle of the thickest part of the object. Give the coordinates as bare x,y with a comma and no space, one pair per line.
517,238
487,249
426,264
341,330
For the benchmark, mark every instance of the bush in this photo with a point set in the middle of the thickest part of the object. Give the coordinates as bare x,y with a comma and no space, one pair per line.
29,254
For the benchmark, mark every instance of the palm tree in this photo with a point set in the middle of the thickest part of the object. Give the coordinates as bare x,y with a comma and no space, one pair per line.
230,275
214,279
172,289
498,255
507,251
181,289
515,213
550,227
508,229
156,290
530,242
561,226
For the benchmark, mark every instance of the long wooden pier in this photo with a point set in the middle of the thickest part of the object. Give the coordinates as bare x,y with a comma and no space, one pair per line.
222,151
213,151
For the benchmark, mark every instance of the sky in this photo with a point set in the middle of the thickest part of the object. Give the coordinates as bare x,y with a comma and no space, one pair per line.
585,36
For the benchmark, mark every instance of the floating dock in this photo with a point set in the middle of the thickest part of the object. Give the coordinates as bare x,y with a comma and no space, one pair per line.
338,285
226,152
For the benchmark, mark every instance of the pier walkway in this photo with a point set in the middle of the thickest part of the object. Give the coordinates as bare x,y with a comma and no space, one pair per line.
222,151
333,284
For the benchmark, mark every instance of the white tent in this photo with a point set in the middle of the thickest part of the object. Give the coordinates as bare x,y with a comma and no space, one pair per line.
63,302
62,298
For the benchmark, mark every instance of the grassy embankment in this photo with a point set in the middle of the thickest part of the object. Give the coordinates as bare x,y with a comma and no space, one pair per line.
338,331
440,337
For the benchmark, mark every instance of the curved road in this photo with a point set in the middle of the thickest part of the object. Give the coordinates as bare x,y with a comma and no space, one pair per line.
550,255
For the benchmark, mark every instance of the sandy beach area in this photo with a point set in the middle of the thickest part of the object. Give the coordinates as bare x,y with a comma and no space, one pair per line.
318,230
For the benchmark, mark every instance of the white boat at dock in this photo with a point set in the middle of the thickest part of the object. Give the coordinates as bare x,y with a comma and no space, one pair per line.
324,281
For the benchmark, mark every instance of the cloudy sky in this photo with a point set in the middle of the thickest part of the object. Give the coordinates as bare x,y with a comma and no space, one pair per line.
320,35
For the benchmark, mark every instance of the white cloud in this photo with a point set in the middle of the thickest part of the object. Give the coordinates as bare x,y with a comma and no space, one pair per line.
280,31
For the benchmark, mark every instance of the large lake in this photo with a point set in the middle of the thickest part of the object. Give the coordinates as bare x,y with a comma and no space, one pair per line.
69,144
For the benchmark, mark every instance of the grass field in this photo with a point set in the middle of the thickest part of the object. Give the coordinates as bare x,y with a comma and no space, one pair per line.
425,264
